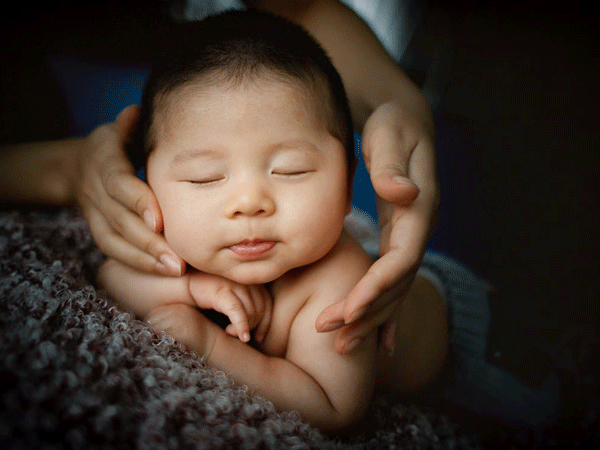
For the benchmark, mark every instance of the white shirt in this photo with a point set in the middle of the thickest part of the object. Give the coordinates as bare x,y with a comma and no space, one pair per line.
392,21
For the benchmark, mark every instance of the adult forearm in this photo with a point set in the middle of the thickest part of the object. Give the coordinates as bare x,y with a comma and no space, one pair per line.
39,173
370,75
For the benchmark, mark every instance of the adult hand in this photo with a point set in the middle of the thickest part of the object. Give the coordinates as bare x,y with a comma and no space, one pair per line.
399,154
121,210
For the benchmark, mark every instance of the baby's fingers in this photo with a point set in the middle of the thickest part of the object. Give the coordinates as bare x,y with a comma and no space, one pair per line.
259,298
230,305
265,319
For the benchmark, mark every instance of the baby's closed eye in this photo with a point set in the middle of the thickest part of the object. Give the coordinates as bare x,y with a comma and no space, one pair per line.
292,172
206,180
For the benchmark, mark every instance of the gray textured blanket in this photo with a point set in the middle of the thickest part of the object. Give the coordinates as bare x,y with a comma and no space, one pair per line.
76,372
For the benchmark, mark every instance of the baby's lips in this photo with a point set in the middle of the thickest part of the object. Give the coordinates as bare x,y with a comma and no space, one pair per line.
252,249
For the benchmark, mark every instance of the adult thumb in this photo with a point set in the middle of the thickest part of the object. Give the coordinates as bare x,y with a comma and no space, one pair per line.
390,180
127,121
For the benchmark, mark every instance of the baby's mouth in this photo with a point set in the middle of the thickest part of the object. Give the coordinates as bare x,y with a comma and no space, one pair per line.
252,249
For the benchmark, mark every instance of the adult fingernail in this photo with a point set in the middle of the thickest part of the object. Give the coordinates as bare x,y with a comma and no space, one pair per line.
330,326
399,179
150,220
357,314
171,263
351,345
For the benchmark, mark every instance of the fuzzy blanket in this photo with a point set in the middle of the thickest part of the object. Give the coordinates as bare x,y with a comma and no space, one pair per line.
76,372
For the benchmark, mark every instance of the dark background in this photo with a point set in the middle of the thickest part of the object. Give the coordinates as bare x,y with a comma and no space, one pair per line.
516,95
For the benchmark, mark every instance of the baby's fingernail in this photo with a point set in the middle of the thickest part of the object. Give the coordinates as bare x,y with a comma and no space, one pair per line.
150,220
246,337
171,263
351,346
330,326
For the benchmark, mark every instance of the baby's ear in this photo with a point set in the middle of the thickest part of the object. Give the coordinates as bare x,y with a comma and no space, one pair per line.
351,173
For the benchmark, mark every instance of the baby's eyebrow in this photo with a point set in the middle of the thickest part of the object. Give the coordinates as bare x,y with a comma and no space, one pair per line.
295,144
188,155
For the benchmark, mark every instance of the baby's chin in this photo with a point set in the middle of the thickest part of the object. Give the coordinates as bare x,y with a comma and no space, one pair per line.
246,277
252,279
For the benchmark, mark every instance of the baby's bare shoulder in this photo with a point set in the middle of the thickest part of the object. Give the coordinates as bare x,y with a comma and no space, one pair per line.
332,278
347,262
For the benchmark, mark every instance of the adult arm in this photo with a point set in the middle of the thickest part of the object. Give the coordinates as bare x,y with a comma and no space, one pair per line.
399,152
95,174
39,173
398,147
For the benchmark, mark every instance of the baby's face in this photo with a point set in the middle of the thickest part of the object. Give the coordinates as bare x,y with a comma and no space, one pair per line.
249,181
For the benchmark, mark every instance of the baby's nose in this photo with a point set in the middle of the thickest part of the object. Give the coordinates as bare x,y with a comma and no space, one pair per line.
251,199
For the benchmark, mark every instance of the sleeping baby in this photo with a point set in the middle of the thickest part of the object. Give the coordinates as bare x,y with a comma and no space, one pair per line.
247,141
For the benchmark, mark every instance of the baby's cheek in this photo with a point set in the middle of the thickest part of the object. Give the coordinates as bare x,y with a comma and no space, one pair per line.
324,218
178,231
190,237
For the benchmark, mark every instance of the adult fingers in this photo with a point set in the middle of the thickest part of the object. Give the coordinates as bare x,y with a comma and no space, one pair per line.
388,279
402,244
399,197
390,275
331,318
126,238
127,121
350,336
128,194
113,245
121,184
388,146
387,339
123,187
109,186
122,210
334,316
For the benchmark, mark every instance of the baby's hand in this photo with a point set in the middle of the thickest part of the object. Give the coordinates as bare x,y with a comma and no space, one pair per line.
248,307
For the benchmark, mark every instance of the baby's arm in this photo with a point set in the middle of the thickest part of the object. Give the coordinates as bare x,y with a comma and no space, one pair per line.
247,307
141,292
328,389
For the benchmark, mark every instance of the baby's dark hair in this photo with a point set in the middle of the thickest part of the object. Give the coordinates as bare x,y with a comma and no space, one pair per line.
239,46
